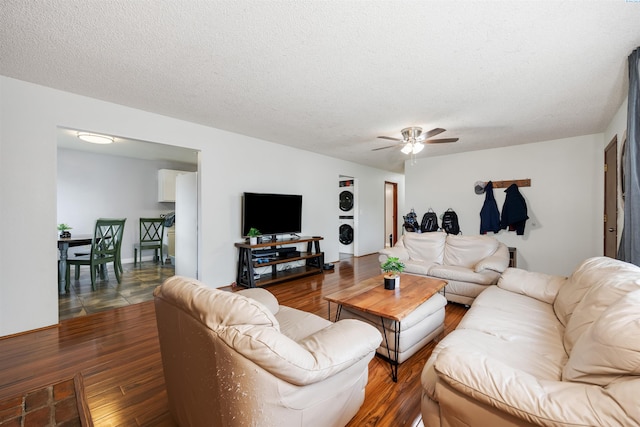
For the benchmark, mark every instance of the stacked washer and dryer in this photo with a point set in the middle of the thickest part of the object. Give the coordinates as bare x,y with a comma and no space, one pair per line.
347,209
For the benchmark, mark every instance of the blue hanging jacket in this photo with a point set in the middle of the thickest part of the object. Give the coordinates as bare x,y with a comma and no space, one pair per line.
489,214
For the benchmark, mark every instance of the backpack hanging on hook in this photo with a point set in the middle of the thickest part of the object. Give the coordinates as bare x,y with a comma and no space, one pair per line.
450,222
429,221
411,221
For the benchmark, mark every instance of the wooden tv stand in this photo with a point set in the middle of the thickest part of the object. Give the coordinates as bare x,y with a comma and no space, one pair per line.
249,260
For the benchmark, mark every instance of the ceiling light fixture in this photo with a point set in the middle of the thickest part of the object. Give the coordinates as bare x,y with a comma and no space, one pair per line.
412,147
95,138
413,137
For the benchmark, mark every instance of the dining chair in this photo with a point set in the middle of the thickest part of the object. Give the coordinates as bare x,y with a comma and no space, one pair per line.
151,237
105,248
77,275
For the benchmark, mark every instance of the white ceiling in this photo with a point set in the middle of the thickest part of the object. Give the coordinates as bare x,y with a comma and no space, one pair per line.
331,76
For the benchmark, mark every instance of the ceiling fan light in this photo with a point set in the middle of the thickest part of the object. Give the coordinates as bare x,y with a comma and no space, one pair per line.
95,138
407,148
417,147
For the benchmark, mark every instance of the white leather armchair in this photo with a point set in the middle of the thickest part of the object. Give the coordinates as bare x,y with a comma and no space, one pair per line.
241,359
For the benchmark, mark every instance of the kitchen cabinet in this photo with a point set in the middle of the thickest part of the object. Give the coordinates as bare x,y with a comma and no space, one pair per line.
167,184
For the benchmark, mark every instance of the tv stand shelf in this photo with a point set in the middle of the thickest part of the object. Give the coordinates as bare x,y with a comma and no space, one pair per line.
247,261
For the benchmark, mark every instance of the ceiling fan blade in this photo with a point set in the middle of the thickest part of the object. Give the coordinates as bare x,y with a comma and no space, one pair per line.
433,132
384,148
390,138
440,140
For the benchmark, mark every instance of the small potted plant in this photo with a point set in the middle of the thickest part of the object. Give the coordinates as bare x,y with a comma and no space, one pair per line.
392,268
64,233
253,235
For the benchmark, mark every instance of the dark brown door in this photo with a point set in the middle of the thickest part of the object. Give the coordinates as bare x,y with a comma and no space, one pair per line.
611,199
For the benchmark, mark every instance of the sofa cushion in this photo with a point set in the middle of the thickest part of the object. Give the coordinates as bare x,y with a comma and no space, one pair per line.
520,321
543,287
571,293
467,251
610,348
610,279
464,274
297,324
481,346
417,267
425,247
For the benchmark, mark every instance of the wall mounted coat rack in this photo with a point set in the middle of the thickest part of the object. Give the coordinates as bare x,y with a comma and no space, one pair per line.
506,184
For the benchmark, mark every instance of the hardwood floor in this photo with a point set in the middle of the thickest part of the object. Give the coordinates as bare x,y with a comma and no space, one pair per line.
118,355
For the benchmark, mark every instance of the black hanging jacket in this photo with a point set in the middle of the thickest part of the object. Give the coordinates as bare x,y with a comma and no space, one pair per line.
489,214
514,211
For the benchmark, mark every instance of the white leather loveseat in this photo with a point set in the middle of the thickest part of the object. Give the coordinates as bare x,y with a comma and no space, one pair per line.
240,359
469,264
542,350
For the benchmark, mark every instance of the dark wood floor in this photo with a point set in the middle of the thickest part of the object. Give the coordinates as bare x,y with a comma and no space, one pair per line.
117,352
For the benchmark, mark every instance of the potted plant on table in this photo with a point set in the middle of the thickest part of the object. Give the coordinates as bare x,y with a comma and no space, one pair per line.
253,235
64,233
392,268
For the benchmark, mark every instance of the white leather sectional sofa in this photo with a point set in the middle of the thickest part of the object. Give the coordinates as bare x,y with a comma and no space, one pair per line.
542,350
469,264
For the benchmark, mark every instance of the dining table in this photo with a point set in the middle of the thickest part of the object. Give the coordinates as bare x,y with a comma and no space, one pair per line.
64,243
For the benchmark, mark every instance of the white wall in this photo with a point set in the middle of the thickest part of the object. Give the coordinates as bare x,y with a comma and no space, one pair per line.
564,201
229,165
92,186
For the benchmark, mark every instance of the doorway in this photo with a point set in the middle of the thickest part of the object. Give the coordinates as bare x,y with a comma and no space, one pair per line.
390,213
611,199
119,180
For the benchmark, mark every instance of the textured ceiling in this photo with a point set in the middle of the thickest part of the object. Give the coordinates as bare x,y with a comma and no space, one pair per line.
331,76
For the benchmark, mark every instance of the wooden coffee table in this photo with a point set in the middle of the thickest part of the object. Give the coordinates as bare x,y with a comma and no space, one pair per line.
370,296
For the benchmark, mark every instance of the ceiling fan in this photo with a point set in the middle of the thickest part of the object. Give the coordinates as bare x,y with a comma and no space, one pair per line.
413,139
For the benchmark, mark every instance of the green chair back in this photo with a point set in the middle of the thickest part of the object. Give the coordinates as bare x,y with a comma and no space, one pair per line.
107,239
151,230
151,237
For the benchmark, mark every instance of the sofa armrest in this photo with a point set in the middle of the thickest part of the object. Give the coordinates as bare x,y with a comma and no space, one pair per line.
541,286
541,402
498,261
312,359
396,251
342,344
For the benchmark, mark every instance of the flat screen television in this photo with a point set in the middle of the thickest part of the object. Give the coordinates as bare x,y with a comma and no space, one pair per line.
272,213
